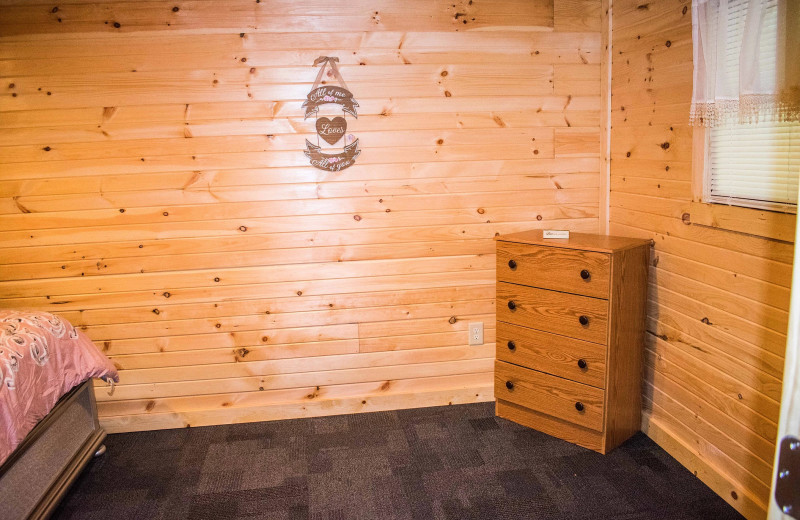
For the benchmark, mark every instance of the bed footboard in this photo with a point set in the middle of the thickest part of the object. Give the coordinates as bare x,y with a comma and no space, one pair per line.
39,472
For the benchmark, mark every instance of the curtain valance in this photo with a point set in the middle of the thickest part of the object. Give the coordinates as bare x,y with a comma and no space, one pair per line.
746,61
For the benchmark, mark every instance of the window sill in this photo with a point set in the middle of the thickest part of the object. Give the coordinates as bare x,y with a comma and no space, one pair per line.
762,223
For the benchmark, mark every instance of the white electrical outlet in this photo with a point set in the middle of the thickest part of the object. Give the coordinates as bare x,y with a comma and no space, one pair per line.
476,333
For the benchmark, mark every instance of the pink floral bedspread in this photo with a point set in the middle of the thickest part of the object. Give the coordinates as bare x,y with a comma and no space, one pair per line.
42,357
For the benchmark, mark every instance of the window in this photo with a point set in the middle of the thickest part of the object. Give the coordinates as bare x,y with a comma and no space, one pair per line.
752,164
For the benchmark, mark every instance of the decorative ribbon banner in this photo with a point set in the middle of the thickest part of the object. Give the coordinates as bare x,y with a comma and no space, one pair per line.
332,162
330,94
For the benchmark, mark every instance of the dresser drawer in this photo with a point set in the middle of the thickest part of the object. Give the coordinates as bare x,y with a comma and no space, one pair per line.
560,398
570,315
581,361
560,269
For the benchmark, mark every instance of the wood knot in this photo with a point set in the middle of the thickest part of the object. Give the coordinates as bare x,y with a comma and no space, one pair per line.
664,145
156,311
242,228
216,278
176,9
447,93
242,352
706,321
166,294
481,211
452,320
357,218
686,218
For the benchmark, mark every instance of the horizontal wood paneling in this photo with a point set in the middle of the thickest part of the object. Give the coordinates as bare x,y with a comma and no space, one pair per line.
719,277
153,190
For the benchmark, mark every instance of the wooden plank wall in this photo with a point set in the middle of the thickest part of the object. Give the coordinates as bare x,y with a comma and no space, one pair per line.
719,289
153,190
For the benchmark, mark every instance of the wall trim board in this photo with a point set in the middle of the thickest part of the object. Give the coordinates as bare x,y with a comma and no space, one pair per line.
711,476
312,406
606,63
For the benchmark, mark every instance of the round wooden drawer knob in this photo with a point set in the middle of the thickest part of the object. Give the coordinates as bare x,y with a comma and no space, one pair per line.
512,305
512,345
582,364
583,319
512,264
579,406
585,274
510,386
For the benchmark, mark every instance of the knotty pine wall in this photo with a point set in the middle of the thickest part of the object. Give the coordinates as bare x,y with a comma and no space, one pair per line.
153,191
719,289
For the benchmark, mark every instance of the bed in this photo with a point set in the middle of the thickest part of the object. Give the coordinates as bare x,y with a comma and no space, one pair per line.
48,416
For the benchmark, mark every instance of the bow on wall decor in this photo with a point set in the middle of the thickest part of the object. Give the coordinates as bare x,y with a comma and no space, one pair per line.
330,130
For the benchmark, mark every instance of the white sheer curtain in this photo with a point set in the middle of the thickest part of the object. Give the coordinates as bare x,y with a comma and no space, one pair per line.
746,61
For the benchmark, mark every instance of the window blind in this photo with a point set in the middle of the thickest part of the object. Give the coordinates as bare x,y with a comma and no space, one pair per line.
753,164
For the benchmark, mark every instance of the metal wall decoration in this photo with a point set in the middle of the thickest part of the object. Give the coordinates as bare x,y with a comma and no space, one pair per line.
331,130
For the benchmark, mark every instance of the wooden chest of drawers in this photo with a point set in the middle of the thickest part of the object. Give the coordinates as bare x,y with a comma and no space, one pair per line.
570,335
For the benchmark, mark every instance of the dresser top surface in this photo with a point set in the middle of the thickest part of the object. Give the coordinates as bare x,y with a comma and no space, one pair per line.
583,241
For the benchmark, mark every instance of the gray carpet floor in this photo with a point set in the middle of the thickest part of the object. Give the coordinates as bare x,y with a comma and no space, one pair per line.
452,462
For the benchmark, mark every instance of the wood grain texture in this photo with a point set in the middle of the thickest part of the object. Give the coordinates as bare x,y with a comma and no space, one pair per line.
719,276
550,425
153,190
555,312
554,268
552,353
627,306
549,395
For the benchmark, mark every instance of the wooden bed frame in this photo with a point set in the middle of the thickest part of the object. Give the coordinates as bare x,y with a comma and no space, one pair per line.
37,475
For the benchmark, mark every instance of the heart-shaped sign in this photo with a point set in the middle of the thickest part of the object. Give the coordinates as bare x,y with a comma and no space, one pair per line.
331,130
